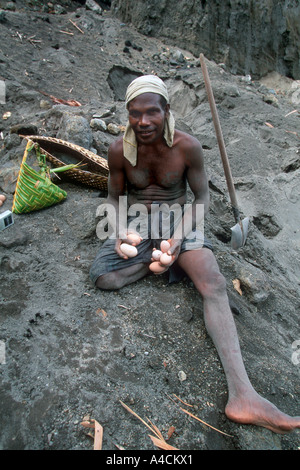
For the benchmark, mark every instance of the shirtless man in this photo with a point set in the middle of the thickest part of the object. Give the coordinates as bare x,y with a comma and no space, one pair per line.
154,162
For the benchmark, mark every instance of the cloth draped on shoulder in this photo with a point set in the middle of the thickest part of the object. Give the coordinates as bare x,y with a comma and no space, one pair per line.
145,84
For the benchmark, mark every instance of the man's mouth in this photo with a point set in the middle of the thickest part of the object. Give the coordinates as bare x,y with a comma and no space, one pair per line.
146,132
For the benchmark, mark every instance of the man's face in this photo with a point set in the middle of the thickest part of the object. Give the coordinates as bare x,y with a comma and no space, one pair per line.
147,117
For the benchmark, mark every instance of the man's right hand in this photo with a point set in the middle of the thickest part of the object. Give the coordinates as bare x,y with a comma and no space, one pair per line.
126,239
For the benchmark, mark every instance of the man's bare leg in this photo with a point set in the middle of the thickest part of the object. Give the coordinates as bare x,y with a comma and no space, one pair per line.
123,277
244,404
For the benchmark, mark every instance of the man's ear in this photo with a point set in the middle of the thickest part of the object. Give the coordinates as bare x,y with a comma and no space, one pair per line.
167,109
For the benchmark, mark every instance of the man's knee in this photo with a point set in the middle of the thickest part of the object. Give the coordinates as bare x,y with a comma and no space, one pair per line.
120,278
110,281
213,284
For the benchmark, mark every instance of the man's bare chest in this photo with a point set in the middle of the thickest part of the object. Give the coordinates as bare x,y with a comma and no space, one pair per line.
165,172
159,175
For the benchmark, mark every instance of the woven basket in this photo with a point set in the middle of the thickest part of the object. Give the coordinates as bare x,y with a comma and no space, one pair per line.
34,189
95,172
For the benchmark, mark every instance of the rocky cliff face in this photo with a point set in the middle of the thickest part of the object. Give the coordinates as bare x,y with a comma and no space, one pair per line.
250,37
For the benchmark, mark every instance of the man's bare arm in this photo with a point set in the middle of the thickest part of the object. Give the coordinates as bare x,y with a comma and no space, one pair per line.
116,185
116,206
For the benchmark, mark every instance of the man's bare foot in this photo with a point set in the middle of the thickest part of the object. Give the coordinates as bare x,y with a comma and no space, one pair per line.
260,412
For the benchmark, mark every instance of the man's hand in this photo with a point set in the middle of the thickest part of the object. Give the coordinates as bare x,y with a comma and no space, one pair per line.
174,249
131,238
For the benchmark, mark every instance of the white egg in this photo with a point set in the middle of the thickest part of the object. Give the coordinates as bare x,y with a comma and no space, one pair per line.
2,197
134,238
165,259
128,250
165,246
156,267
156,254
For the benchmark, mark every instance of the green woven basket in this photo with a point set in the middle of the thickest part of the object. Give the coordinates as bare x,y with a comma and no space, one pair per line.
35,190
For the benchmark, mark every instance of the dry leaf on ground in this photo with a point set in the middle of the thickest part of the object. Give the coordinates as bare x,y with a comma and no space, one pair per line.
237,285
203,422
171,431
161,444
158,441
61,101
98,435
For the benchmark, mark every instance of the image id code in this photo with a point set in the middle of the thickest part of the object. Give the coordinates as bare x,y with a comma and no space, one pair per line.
161,459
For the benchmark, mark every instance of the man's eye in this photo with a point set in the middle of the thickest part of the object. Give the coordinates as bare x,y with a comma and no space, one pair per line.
134,114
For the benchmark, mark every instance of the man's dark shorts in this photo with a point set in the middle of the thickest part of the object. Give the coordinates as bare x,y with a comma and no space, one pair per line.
107,260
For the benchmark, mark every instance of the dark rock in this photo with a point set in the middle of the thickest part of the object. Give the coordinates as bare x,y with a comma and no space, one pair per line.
76,129
24,129
267,224
3,18
249,37
119,78
13,237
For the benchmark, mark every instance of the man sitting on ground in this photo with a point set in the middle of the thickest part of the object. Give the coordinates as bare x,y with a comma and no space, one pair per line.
153,163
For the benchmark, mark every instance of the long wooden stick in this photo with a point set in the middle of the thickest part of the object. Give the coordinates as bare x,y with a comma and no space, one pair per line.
220,139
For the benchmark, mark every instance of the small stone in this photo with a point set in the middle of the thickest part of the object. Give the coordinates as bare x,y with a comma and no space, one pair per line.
271,99
103,113
13,238
44,104
182,376
255,284
93,6
3,18
6,115
10,6
178,56
76,129
113,129
98,124
137,48
246,79
59,9
11,141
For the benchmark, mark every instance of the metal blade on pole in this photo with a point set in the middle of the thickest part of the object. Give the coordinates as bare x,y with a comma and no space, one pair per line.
240,230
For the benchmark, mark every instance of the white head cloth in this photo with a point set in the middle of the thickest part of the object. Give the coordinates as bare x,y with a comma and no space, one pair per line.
145,84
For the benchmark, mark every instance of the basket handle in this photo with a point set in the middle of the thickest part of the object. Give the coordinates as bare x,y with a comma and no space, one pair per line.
41,157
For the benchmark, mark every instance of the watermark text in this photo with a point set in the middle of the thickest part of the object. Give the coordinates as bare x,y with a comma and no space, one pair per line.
161,221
